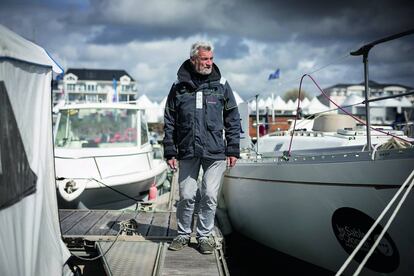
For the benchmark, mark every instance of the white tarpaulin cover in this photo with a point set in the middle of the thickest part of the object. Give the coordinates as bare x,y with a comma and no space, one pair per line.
30,237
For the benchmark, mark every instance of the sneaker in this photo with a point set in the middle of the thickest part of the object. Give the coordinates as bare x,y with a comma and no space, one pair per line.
179,243
206,245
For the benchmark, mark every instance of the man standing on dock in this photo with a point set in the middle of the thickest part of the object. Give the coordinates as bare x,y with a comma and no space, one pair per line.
199,107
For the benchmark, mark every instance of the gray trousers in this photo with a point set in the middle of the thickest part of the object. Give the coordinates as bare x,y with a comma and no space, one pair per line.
209,187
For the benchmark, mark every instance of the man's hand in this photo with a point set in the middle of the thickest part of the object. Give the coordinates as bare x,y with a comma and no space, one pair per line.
231,161
172,163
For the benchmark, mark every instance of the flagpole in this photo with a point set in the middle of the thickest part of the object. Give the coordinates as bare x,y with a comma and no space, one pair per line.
257,124
274,75
278,85
273,108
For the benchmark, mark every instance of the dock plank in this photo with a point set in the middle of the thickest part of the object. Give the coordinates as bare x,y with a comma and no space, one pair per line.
70,221
159,225
105,224
172,229
144,220
86,223
64,214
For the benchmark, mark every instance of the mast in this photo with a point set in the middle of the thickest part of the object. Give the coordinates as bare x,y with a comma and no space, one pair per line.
257,124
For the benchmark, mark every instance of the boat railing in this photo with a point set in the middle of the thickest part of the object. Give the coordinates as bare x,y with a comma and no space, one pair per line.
364,51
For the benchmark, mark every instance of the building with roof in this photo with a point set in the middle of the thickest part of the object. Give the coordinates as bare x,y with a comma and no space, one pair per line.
385,112
94,85
339,92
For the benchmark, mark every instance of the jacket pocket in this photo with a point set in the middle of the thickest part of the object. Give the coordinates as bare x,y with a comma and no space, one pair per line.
215,140
214,112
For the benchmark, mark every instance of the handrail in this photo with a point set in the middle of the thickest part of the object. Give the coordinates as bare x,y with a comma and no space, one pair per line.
365,48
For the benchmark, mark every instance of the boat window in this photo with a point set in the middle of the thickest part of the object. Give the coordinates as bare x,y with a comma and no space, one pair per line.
144,131
97,128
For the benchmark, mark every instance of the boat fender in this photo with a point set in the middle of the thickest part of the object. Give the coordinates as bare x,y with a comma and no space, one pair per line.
152,195
70,189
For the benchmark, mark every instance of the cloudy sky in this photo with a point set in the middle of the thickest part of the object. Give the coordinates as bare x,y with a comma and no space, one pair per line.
150,39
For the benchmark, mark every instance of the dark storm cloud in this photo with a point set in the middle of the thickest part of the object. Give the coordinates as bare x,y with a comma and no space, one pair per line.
251,38
314,21
340,19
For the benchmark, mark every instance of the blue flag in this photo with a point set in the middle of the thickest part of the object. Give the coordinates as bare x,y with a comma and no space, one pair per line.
274,75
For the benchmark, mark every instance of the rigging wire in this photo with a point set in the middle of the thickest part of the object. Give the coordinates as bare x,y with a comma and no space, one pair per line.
339,107
354,117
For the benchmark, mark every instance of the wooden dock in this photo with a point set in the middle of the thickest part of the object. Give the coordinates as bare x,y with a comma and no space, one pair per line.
142,247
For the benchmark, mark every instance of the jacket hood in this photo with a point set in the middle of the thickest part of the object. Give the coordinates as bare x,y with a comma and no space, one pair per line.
187,73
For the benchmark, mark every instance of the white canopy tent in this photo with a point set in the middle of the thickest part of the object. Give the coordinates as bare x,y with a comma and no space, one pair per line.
151,108
304,103
30,237
315,106
239,99
290,105
161,109
279,103
405,102
353,104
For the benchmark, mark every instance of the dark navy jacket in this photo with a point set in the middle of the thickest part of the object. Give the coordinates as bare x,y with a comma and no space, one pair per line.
198,132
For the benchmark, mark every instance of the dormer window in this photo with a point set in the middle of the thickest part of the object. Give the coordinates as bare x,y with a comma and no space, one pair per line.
70,78
125,80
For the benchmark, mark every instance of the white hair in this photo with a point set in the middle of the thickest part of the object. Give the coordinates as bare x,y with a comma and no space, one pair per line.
206,45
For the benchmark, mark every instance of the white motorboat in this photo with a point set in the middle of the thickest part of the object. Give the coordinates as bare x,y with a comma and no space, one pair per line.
103,156
318,204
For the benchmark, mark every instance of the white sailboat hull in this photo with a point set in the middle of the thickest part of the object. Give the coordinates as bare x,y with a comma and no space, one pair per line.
318,209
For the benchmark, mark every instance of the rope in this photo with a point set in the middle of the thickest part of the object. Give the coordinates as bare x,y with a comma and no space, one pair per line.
390,144
361,265
125,225
364,239
113,189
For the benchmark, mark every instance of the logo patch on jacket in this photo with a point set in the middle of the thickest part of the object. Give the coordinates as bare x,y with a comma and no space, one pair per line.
211,100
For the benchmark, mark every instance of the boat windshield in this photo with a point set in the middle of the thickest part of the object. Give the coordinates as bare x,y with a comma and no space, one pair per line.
99,128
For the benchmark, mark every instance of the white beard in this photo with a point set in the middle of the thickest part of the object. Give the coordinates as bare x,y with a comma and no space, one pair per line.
205,71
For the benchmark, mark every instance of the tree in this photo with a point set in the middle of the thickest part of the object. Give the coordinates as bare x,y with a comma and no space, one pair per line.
293,95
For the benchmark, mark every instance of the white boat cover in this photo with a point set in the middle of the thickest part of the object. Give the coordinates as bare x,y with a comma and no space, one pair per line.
30,236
